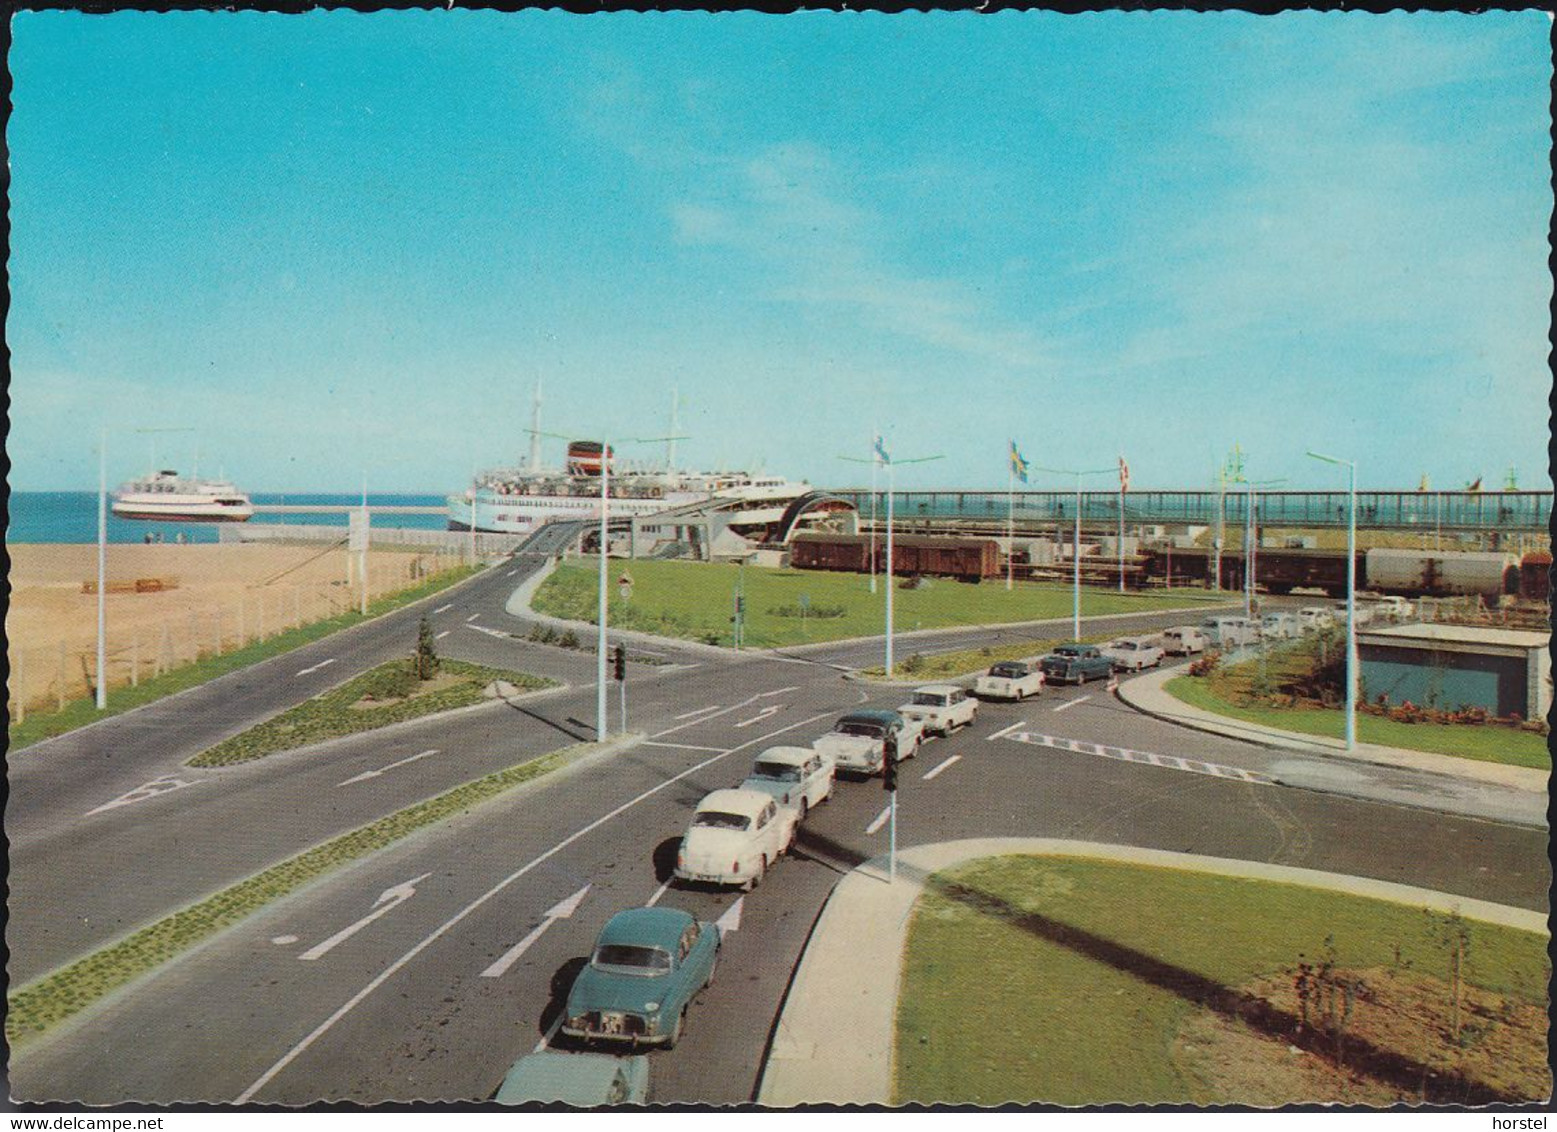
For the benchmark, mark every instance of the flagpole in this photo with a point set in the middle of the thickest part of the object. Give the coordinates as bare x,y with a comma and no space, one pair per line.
1010,518
1121,522
873,512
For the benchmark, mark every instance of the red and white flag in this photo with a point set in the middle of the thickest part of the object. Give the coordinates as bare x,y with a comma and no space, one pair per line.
1124,475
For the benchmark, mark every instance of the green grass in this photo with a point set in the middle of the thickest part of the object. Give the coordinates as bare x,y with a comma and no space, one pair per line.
46,1002
695,600
964,662
995,1009
1485,742
331,714
78,713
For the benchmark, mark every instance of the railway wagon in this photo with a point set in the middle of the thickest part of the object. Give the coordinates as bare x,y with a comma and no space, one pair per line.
1409,573
1415,573
1535,575
966,558
1279,570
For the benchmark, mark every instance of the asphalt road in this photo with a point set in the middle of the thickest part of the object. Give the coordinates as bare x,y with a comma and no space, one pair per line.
340,993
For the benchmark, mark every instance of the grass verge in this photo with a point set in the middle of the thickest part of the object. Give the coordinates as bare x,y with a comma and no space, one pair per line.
1031,979
79,713
35,1008
965,662
338,712
695,600
1484,742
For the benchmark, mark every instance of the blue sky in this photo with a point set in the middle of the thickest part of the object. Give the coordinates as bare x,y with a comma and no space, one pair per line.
341,245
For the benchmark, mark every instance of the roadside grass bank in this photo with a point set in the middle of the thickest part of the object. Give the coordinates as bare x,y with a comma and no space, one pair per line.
389,693
1293,691
78,713
1075,982
696,601
966,662
46,1002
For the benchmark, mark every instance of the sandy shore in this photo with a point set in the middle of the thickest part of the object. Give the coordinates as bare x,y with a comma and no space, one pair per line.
213,593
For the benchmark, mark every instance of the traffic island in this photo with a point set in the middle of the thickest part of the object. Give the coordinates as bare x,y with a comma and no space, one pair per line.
1048,971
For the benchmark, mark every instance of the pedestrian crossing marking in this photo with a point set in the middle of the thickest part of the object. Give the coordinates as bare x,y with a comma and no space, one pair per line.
1125,754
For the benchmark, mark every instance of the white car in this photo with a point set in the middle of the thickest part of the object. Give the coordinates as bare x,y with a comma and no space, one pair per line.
941,708
1315,617
857,741
1131,654
1393,607
735,837
1280,626
1364,614
1182,640
1009,680
795,777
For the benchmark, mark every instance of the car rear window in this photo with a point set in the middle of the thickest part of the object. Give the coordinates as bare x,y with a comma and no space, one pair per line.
869,730
779,772
929,699
718,819
631,959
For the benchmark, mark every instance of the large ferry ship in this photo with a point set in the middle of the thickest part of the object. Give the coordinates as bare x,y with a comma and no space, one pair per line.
169,496
518,500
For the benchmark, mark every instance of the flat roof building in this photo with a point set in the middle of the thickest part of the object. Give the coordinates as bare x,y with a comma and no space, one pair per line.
1505,671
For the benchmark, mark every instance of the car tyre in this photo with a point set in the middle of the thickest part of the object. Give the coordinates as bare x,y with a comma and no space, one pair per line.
756,877
805,808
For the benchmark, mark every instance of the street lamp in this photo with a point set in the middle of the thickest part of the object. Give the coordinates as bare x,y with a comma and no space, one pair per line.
102,572
1076,550
1351,594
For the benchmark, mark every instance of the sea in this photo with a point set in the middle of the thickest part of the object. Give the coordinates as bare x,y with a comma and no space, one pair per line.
71,516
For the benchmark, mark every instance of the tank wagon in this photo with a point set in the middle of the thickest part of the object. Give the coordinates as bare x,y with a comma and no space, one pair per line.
1410,573
969,559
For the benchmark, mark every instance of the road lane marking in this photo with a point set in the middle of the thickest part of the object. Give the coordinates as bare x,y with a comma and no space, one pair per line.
779,691
489,632
472,617
448,925
443,634
388,901
444,608
880,820
935,770
682,746
1167,762
150,790
1008,730
367,774
731,920
317,667
1073,703
510,573
761,715
562,910
699,711
550,1033
658,892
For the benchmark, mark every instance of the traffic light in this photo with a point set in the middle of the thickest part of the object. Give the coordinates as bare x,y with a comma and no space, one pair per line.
619,662
889,772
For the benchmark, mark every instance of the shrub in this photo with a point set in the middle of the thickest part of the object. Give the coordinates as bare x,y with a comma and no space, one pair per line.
426,655
568,640
1206,664
914,664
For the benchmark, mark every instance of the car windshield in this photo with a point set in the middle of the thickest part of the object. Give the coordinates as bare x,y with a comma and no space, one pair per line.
718,819
929,699
1127,645
1067,650
1006,670
630,959
778,772
868,730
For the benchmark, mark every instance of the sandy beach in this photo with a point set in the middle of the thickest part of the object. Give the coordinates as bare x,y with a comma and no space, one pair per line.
210,595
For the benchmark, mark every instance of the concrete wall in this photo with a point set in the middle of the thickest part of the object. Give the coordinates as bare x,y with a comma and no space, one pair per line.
1447,680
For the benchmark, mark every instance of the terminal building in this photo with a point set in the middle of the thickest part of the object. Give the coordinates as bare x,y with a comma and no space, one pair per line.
1505,671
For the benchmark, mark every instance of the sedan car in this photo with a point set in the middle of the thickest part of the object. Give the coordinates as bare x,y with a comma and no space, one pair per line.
941,708
735,836
646,966
797,777
583,1080
857,741
1131,654
1009,680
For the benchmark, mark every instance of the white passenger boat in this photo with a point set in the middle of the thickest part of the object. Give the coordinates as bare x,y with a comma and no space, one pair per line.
168,496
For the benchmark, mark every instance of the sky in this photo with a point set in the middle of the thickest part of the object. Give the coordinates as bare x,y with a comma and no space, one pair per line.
338,247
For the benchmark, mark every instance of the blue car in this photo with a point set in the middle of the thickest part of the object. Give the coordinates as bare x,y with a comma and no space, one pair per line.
583,1080
646,966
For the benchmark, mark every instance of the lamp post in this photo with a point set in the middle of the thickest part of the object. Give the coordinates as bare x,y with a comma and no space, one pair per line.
102,572
1351,594
1076,549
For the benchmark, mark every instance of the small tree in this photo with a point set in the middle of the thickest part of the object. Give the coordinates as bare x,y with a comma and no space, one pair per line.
426,654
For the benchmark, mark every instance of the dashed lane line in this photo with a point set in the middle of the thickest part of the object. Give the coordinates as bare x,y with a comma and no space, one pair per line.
444,608
1073,703
880,820
1125,754
940,766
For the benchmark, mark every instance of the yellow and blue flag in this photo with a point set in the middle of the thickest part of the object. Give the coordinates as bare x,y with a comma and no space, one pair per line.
1018,464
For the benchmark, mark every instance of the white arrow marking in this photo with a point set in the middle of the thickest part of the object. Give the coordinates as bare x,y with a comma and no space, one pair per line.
761,715
317,667
444,608
559,911
881,820
488,632
940,767
141,793
443,634
658,892
1007,731
389,899
731,920
1073,703
699,711
367,774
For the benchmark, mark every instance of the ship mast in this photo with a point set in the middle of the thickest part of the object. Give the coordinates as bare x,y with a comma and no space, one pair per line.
535,429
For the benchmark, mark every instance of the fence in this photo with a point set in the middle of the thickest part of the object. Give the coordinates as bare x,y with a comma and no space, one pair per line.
46,677
444,542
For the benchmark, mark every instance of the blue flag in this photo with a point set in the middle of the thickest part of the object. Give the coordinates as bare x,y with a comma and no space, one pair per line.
1018,465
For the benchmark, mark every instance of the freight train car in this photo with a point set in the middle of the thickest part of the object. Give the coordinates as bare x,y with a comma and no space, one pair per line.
1410,573
1279,570
1419,573
967,558
1535,571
